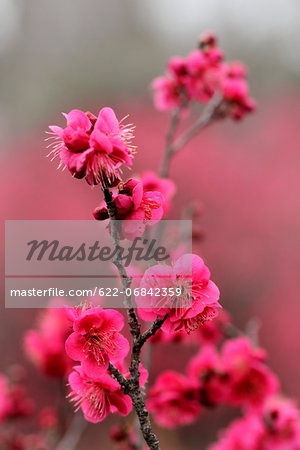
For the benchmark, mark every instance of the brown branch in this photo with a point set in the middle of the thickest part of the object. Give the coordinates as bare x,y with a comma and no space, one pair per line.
209,114
152,330
174,123
125,279
124,382
144,418
131,386
138,398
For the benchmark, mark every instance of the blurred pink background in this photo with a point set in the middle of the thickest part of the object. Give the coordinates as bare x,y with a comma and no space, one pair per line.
86,55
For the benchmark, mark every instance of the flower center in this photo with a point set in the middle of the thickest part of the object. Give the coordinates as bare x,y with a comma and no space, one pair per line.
148,205
94,395
184,300
100,343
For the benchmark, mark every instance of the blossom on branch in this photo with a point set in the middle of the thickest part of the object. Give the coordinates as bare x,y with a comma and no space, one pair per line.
5,401
196,303
173,400
207,369
97,396
277,427
45,345
235,90
136,207
250,380
152,182
199,76
93,147
96,340
14,401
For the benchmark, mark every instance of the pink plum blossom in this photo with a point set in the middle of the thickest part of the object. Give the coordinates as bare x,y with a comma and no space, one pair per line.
45,345
152,182
213,331
96,340
135,207
236,91
5,401
173,400
204,70
14,401
20,404
93,147
276,428
207,369
281,419
198,299
242,434
250,380
192,78
97,396
178,68
199,76
168,93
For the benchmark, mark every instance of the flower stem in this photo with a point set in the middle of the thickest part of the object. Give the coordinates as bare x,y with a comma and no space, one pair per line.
208,115
132,386
174,123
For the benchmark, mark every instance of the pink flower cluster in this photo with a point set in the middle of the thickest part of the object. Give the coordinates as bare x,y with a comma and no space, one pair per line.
17,409
210,332
4,398
250,380
93,147
95,342
135,206
45,345
90,336
97,396
196,303
153,183
173,400
199,76
275,427
185,299
14,402
236,376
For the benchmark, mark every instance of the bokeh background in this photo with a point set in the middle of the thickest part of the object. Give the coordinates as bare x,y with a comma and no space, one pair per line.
62,54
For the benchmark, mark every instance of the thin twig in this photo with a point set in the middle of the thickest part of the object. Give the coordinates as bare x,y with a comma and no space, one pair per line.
124,382
152,330
207,116
125,279
131,386
209,113
174,123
